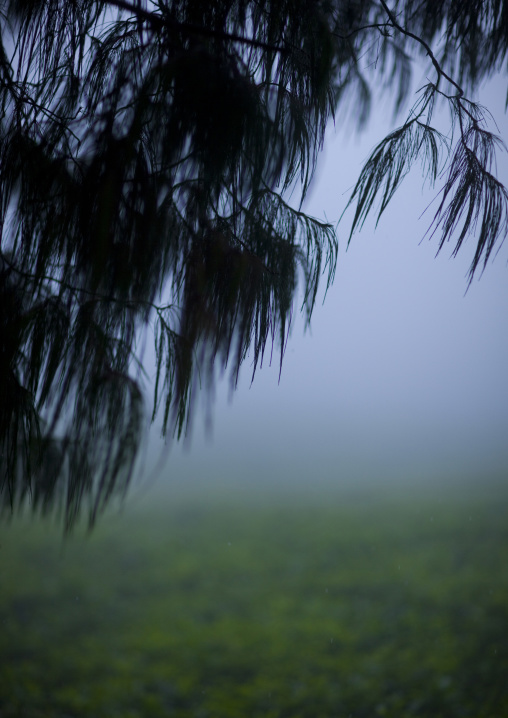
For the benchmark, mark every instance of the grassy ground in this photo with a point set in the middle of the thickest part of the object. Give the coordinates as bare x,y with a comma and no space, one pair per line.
227,607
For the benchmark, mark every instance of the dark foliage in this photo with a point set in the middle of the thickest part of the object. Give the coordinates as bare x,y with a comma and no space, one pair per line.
147,154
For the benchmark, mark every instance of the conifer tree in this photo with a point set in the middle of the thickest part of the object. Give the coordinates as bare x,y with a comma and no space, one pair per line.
150,156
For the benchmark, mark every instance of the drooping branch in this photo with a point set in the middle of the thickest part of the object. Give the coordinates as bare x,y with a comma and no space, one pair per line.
159,22
471,192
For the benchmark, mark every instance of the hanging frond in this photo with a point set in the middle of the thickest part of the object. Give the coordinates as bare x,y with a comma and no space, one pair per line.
237,292
390,162
473,201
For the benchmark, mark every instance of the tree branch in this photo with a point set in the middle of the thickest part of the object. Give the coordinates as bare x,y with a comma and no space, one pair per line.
81,290
159,22
437,66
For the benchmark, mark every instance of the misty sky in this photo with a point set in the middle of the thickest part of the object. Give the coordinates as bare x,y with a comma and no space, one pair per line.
403,374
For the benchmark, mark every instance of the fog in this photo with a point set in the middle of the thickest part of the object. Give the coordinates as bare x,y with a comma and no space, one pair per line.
402,376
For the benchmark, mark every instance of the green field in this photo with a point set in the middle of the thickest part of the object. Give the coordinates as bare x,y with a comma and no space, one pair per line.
227,605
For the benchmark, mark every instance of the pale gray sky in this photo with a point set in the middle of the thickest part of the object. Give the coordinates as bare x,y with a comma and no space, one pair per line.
402,375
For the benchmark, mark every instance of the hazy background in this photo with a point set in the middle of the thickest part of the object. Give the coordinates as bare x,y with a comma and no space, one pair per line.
403,375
